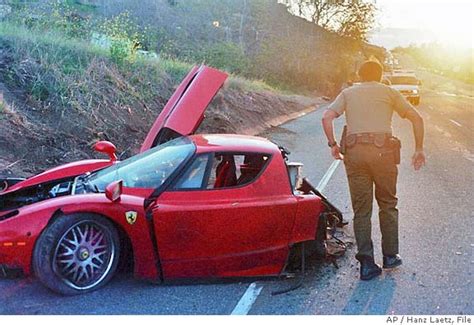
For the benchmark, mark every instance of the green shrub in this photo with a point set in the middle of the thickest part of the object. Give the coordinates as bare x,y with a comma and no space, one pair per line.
125,37
121,50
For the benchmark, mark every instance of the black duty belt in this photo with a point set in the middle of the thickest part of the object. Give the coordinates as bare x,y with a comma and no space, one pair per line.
378,139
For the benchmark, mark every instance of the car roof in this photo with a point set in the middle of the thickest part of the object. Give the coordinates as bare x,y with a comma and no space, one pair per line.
233,142
403,71
403,75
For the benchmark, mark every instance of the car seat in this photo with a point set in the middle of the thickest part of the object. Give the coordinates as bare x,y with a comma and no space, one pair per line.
225,173
250,169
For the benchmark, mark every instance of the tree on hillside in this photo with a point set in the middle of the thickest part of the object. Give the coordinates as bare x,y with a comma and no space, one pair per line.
350,18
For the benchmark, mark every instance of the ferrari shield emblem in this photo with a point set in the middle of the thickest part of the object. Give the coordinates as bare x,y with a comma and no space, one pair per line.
131,216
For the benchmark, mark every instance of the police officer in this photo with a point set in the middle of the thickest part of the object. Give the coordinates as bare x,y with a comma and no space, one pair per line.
371,156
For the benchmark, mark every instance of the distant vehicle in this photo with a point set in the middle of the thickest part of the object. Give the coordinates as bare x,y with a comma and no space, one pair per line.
406,82
389,62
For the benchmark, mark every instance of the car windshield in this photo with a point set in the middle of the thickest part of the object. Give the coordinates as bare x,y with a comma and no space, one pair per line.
403,80
149,169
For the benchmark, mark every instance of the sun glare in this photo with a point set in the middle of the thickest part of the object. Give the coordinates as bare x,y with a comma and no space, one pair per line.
450,22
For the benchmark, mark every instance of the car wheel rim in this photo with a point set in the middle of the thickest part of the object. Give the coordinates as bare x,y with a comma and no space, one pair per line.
84,255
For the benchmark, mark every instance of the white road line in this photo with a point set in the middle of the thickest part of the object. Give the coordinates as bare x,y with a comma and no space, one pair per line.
247,300
324,181
250,296
456,123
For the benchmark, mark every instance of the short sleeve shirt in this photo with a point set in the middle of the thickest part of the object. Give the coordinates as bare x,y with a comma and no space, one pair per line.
369,107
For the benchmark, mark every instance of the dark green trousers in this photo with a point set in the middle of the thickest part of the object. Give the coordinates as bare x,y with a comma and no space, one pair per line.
370,168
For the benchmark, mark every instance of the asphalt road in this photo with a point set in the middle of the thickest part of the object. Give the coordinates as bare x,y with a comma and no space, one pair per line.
436,222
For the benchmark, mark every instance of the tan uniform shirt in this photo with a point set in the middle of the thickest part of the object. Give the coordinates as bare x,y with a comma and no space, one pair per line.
369,107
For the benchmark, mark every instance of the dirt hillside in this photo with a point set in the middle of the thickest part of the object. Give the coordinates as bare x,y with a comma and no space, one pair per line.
37,137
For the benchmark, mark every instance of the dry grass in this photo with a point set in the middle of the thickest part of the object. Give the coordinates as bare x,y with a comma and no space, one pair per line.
243,84
59,72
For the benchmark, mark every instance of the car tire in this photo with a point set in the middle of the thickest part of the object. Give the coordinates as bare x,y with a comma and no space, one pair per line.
76,254
314,250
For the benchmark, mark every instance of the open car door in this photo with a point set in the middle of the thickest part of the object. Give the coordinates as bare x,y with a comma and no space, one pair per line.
184,111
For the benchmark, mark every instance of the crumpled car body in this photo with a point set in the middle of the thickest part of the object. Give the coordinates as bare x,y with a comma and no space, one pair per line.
186,206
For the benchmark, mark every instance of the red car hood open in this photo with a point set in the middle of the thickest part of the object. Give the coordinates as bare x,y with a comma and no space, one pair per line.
184,111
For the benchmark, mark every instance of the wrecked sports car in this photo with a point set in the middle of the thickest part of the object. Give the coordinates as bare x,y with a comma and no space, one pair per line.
186,206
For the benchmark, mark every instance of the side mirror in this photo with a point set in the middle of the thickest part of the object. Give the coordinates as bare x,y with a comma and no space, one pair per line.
6,183
108,148
113,191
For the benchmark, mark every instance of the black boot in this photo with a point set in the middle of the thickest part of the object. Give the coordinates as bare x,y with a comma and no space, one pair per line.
368,268
391,261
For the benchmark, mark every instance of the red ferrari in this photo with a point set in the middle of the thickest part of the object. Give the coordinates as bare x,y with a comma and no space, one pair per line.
186,206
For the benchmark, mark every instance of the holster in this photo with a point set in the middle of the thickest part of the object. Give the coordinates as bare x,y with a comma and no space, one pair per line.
343,140
395,146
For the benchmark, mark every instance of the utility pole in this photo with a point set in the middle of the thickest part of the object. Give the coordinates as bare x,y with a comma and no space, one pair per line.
242,21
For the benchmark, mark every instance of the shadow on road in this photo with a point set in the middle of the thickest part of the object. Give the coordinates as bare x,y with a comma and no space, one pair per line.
371,297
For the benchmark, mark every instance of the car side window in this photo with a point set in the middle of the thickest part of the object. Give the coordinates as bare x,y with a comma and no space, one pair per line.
193,178
232,170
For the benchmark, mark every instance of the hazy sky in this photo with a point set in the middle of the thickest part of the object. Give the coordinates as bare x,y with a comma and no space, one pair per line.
448,21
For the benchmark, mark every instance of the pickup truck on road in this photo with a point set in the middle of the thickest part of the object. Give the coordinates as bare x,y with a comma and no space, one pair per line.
406,83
